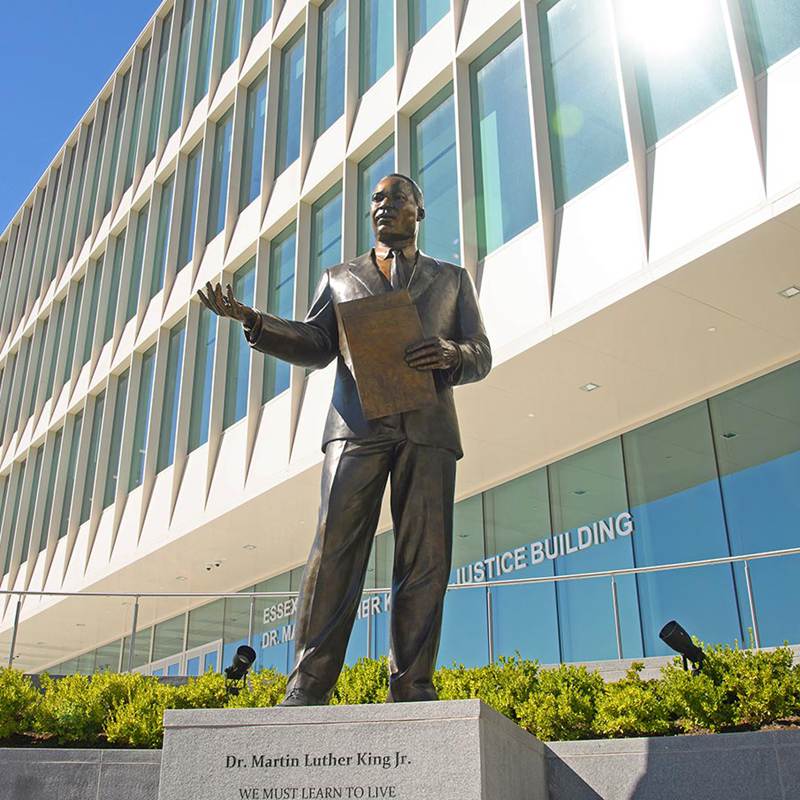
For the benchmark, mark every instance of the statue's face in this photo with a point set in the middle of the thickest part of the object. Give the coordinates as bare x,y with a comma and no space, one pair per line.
394,211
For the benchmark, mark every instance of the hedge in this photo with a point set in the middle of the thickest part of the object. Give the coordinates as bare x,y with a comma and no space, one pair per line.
736,690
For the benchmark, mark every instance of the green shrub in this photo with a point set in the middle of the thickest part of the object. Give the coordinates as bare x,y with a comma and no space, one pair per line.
18,701
138,721
75,708
366,682
263,689
564,704
631,707
505,685
205,691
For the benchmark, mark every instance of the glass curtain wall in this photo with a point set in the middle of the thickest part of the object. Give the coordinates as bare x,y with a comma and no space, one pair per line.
51,489
163,230
179,87
423,15
172,386
91,459
158,92
203,374
206,50
220,172
191,198
115,448
144,407
137,265
773,30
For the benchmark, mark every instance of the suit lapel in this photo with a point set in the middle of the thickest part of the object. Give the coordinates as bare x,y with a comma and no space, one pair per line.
425,273
364,271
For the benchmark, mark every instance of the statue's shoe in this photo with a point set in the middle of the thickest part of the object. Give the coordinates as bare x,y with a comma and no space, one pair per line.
300,697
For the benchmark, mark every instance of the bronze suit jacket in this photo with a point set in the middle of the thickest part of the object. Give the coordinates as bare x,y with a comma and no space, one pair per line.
447,302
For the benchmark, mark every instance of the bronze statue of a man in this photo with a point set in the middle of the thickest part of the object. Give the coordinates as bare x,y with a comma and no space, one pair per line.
416,450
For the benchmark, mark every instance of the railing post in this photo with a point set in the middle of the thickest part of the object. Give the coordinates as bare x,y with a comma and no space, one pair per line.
133,633
751,601
615,604
251,620
490,623
14,632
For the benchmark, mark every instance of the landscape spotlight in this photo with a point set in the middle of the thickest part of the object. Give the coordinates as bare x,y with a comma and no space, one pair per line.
675,636
242,661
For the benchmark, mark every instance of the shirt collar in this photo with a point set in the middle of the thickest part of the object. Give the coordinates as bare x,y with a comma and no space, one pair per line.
381,251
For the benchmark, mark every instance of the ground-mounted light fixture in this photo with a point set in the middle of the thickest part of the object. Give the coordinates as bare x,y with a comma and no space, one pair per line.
243,659
789,292
675,637
589,387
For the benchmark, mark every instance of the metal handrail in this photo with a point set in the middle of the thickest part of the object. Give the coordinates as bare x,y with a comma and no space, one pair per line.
613,574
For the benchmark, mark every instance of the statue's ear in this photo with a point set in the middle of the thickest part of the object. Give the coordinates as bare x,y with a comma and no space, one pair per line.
420,214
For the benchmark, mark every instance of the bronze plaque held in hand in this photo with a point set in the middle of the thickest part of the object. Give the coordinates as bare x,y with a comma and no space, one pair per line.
378,330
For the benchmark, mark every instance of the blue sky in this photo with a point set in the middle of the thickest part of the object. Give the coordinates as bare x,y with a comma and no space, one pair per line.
55,56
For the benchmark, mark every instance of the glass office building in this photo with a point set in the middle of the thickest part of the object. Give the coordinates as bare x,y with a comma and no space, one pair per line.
628,203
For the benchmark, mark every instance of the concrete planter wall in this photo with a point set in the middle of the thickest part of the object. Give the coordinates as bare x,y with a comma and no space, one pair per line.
747,766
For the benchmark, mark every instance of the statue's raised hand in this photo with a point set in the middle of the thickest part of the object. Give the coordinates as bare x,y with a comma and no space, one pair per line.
226,305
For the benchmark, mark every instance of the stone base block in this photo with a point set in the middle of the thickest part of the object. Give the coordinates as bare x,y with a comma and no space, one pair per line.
453,750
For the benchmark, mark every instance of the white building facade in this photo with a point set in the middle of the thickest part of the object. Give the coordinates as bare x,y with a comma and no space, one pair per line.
622,180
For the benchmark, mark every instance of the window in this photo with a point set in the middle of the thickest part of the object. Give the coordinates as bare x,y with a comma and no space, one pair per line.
136,124
378,164
34,493
137,265
55,245
162,237
98,165
112,476
756,434
585,489
423,15
290,103
203,374
54,186
73,331
517,513
262,11
51,367
143,408
66,500
179,88
238,361
158,92
280,301
78,195
172,385
91,311
91,461
326,236
12,531
113,292
115,145
466,610
681,58
233,30
377,41
773,30
434,165
168,637
331,64
253,150
40,339
677,510
505,189
191,197
51,488
22,382
220,171
206,49
587,139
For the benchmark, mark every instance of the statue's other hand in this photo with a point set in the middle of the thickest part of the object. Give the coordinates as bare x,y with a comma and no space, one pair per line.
226,305
433,353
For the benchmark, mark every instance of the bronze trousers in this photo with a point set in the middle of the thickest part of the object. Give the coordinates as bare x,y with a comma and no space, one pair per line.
354,477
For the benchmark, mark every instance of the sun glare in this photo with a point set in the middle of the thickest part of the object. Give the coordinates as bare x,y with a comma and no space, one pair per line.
664,28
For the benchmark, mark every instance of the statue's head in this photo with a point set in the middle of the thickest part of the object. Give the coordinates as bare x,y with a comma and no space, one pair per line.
397,208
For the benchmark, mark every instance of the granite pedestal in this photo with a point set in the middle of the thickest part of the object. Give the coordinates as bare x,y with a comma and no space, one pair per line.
453,750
